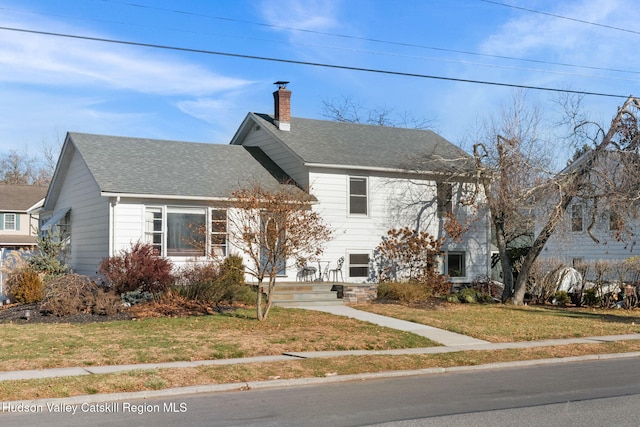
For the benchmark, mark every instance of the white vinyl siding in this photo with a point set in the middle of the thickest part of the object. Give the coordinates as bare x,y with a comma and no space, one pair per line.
283,157
89,218
393,206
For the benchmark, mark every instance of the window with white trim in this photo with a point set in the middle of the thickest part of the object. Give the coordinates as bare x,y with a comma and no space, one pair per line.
358,200
218,234
456,264
182,231
153,229
186,231
10,221
359,265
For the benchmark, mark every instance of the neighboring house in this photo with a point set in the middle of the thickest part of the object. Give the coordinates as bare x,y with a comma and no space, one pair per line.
116,191
19,208
594,228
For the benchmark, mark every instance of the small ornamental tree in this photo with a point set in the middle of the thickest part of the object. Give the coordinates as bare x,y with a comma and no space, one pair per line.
271,227
411,256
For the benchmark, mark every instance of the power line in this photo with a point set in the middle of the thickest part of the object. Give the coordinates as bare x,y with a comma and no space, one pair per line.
314,64
609,27
374,40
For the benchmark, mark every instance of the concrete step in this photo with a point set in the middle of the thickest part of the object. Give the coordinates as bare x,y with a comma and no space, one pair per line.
304,287
294,304
291,294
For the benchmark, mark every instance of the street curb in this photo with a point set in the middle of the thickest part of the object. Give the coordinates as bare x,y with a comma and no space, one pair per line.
269,384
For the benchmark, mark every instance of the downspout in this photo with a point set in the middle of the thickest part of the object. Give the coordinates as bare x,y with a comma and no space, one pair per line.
112,225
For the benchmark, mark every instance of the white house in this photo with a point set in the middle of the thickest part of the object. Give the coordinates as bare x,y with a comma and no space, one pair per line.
110,192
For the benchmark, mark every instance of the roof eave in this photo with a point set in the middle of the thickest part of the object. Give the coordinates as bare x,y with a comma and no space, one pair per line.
163,196
384,169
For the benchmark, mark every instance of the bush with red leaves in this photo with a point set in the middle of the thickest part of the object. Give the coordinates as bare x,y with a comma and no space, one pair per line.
137,268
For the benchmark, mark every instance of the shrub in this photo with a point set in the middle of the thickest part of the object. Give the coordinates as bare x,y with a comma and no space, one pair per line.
136,297
47,257
213,283
26,286
591,298
561,298
411,256
137,268
405,293
73,293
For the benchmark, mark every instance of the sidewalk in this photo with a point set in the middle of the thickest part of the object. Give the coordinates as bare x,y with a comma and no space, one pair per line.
451,342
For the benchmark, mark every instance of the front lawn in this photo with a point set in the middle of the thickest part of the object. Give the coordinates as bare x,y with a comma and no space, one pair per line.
505,323
229,335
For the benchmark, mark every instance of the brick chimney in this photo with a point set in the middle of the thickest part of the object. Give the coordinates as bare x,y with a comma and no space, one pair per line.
282,106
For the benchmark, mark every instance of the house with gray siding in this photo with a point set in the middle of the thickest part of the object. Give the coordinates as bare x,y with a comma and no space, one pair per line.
110,192
19,212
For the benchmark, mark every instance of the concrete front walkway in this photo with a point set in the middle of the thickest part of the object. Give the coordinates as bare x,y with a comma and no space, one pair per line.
449,339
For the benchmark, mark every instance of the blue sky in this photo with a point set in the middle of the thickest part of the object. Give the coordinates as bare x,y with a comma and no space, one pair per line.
50,85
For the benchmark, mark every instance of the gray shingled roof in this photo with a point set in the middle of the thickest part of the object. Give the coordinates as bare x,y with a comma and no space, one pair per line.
358,145
173,168
19,198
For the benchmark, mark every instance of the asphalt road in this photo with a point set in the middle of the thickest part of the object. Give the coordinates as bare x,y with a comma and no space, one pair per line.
591,393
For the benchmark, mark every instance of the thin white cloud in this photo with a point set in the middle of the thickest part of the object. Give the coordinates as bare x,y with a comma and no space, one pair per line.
207,109
49,60
534,35
314,15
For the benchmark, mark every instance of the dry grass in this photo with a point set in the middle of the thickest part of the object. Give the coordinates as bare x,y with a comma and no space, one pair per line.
238,334
165,378
230,335
504,323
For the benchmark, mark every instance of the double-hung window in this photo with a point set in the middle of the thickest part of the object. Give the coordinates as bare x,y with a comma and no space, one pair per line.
444,199
358,198
218,237
359,265
153,229
576,218
10,221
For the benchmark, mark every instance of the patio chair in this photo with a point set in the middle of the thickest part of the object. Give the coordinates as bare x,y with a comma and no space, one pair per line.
308,273
333,273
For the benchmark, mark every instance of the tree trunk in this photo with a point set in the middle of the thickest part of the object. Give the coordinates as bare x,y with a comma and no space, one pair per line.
272,284
505,262
538,245
259,313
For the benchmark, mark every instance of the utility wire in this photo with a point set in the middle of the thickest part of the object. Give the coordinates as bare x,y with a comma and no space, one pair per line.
609,27
314,64
368,39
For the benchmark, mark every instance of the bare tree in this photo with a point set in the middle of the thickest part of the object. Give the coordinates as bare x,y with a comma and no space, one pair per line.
621,140
346,109
271,227
511,164
20,168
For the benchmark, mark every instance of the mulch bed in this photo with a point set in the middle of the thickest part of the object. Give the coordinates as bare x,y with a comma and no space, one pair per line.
16,313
